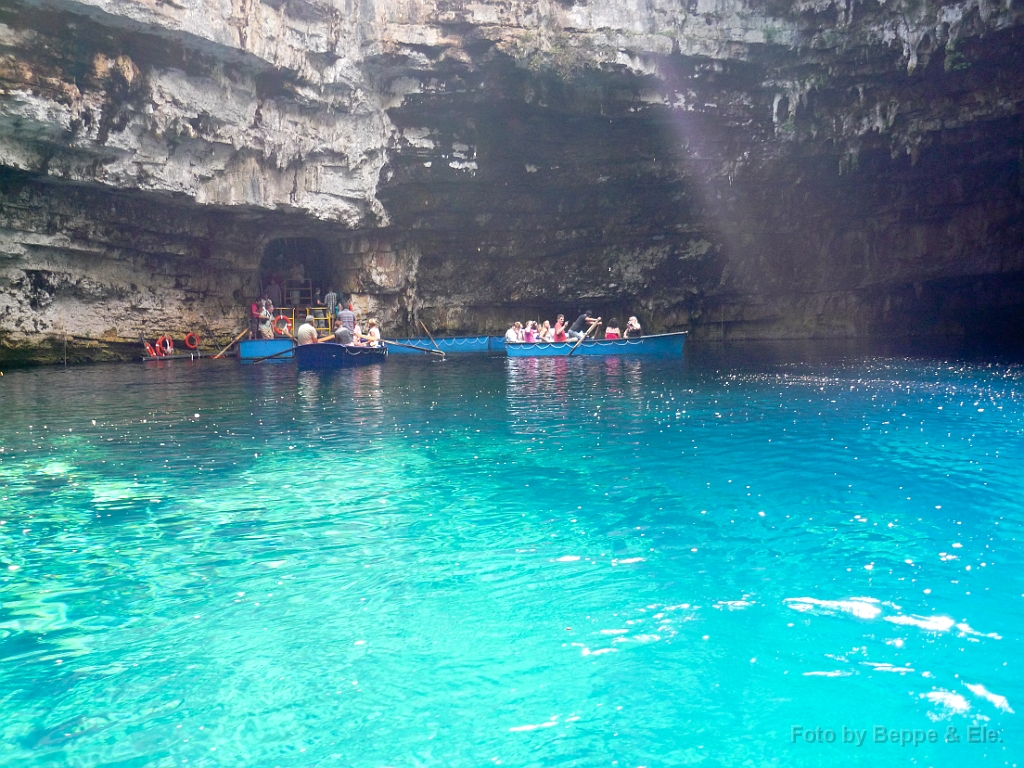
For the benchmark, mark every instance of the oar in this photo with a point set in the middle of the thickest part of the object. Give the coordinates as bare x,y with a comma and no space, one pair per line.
431,338
229,346
584,336
259,360
413,346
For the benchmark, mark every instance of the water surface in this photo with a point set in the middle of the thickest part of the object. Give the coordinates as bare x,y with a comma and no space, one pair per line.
519,562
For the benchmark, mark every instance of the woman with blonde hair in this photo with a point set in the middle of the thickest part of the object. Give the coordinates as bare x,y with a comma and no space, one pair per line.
546,334
373,334
633,330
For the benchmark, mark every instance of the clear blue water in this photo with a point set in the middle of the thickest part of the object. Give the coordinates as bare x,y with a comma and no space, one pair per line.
524,563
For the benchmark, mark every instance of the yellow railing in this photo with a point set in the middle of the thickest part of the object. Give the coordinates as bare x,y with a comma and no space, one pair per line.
297,315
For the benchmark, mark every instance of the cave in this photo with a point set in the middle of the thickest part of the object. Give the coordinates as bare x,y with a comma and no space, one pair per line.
752,173
300,266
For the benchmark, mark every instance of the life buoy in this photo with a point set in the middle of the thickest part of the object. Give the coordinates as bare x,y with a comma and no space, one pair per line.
191,340
287,329
149,350
165,346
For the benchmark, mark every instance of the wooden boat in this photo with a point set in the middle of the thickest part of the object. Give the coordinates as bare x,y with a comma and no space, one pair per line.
258,349
457,345
329,354
659,345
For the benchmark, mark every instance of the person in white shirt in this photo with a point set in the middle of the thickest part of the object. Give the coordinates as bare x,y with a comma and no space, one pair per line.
307,332
373,333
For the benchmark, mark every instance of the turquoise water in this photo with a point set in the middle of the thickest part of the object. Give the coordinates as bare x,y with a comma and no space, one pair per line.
512,562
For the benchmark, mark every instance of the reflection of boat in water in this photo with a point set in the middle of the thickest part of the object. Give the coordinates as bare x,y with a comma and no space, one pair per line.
328,354
255,349
660,345
456,345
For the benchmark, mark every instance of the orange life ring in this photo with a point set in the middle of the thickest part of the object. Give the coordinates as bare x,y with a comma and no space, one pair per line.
287,325
191,340
165,346
149,350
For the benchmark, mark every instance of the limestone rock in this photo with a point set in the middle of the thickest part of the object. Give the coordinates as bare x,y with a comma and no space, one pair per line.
792,168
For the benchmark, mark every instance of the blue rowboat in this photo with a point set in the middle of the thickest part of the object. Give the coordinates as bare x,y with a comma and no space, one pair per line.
450,346
660,345
256,349
328,354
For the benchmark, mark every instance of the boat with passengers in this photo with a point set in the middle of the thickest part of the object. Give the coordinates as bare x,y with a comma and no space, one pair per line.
331,355
657,345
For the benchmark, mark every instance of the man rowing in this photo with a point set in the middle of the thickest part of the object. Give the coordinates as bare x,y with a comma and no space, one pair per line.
579,328
342,333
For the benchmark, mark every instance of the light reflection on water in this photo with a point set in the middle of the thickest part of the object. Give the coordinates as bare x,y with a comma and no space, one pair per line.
537,561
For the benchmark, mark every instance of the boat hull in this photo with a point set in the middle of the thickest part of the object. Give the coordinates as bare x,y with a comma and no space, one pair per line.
329,355
661,345
257,349
458,345
451,346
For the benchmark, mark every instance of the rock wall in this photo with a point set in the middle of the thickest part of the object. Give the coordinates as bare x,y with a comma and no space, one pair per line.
781,169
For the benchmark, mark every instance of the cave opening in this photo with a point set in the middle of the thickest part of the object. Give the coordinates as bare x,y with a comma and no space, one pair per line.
295,269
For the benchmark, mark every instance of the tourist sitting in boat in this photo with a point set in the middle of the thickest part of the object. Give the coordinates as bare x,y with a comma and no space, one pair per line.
582,324
559,334
633,330
530,332
342,334
546,334
611,331
514,335
373,333
307,332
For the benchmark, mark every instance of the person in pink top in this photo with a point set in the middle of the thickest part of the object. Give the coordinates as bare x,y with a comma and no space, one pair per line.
530,334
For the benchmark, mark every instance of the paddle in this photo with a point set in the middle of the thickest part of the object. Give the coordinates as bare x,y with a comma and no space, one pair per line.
413,346
431,337
259,360
584,336
229,346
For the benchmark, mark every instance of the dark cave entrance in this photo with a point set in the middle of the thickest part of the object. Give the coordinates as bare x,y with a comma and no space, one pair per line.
296,268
